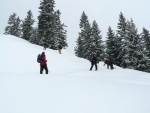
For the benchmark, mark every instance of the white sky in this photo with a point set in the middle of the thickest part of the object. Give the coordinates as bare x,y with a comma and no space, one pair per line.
105,12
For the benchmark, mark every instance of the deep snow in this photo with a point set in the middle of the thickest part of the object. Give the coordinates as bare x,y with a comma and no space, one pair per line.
69,87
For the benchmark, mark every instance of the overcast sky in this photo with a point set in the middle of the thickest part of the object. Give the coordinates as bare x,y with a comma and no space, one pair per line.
105,12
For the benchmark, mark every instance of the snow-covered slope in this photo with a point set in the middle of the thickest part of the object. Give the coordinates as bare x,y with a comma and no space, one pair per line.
69,87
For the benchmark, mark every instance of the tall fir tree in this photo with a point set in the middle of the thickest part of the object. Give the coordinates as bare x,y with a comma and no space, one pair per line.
61,33
50,28
27,25
121,34
13,27
95,42
34,36
111,50
80,40
145,40
86,33
131,47
46,23
81,50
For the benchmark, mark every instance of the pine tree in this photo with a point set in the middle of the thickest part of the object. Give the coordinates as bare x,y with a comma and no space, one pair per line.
95,42
145,39
17,27
139,58
130,47
121,34
61,33
34,36
27,25
111,52
46,23
13,27
50,28
86,34
81,50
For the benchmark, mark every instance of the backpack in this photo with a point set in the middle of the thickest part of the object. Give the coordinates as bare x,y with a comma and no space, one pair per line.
39,58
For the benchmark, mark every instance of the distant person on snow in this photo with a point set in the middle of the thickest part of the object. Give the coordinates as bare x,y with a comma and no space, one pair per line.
59,48
45,45
93,62
43,63
106,62
111,64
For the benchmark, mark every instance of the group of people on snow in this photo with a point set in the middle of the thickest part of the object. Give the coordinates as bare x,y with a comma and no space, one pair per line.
94,61
43,63
109,64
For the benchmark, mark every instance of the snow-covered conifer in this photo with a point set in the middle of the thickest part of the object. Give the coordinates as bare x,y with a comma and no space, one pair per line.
27,25
121,34
95,42
111,50
81,50
50,28
13,27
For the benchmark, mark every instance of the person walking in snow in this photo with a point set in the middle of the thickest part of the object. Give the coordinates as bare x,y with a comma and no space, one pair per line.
43,63
59,48
93,62
106,62
45,45
111,64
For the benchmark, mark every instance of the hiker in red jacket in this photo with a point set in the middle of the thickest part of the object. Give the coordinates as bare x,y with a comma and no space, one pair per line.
43,63
106,62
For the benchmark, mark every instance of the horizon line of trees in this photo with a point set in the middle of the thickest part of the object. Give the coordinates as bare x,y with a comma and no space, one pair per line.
125,47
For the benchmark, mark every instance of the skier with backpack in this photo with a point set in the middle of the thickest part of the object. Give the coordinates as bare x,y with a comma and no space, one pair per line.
39,58
43,62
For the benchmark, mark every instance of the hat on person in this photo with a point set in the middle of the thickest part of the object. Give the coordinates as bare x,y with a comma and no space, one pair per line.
43,53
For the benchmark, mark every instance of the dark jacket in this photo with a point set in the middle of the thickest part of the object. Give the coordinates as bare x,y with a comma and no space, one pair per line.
59,47
94,60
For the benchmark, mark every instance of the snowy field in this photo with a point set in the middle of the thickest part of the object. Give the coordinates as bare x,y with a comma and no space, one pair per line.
69,87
